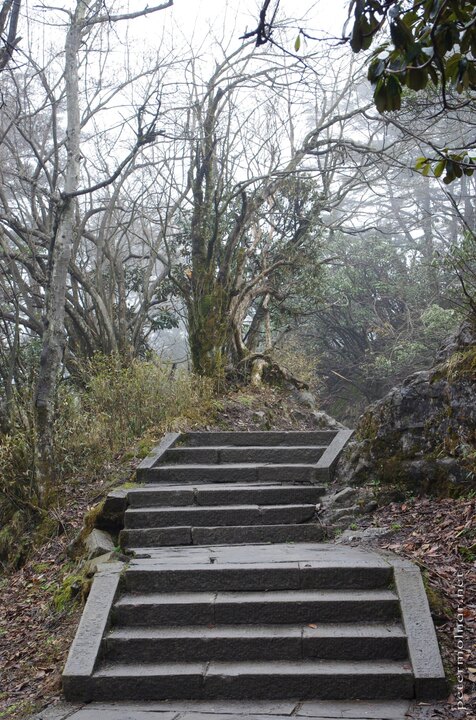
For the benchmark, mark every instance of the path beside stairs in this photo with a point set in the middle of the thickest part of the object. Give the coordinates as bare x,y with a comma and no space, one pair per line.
233,606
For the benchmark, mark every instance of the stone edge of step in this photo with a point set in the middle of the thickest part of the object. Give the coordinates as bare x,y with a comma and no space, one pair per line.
167,442
95,619
423,650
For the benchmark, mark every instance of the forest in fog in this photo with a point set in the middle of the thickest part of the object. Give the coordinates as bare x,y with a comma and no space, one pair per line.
231,216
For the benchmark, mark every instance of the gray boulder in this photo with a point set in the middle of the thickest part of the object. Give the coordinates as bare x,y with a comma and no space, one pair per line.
421,436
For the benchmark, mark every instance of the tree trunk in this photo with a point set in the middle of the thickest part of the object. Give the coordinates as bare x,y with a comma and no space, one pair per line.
208,329
54,337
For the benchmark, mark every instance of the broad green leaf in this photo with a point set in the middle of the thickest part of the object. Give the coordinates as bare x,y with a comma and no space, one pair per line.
357,39
380,96
439,167
416,78
420,162
376,69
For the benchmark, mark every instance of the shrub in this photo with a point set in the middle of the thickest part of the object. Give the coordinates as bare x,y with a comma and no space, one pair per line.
109,410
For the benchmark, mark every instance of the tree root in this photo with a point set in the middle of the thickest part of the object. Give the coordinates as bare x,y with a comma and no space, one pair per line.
263,366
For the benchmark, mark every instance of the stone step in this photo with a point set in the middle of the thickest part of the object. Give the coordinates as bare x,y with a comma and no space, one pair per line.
258,438
251,679
230,594
136,518
203,494
235,473
142,539
152,576
348,641
287,709
281,606
248,454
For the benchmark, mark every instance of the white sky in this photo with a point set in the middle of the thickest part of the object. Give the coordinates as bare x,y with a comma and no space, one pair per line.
196,17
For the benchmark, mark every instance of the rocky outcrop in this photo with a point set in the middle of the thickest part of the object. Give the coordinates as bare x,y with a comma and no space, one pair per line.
422,435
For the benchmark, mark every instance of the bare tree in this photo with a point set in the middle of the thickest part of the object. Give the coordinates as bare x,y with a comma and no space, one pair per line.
252,184
56,181
9,16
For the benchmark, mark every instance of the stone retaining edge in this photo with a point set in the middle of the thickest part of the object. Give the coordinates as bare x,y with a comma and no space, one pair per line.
154,456
327,462
84,652
424,653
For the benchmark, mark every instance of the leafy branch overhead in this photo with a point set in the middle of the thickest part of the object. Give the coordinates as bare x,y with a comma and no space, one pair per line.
417,44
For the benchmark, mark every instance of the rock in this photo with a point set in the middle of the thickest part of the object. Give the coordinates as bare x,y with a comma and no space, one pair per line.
343,521
462,339
324,421
343,497
332,516
91,566
300,415
259,415
305,398
110,513
363,536
97,543
420,437
370,507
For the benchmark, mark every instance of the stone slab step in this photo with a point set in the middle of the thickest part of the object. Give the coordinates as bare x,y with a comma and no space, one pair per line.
259,680
304,555
285,606
202,516
142,539
151,576
203,494
258,438
241,710
235,473
368,641
221,455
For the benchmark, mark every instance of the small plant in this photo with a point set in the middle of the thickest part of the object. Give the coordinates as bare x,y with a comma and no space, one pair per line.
395,526
245,400
68,591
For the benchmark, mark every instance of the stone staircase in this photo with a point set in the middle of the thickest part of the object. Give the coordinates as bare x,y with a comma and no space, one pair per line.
231,594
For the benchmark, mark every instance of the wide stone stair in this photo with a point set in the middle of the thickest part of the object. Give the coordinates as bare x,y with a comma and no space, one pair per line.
231,593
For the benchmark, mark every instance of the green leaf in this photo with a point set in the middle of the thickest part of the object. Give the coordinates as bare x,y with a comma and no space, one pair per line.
357,39
394,93
439,167
367,36
420,162
416,78
376,69
452,66
401,35
380,96
297,43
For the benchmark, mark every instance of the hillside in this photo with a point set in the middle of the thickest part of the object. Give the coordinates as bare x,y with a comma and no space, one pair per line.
41,602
